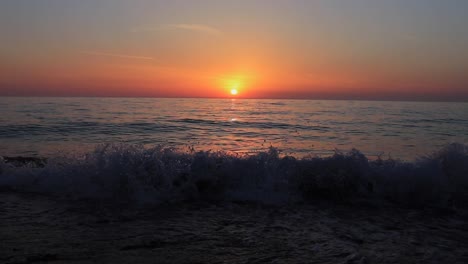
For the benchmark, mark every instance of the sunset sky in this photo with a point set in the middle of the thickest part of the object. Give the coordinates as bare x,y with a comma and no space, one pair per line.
349,49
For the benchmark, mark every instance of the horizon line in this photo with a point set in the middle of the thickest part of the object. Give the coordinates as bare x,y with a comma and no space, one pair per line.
244,98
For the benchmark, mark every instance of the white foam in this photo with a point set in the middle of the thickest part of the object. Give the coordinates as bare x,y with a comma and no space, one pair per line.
124,173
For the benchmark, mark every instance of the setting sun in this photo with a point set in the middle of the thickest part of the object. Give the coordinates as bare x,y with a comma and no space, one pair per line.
233,85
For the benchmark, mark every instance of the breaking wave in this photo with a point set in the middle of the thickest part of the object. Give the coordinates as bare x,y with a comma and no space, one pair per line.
135,174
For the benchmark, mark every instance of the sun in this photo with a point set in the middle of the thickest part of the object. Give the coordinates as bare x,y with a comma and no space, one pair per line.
234,87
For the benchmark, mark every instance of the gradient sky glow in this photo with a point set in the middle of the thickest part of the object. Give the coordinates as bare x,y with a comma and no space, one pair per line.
348,49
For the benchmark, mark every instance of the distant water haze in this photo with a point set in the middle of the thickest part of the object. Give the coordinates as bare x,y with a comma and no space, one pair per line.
403,130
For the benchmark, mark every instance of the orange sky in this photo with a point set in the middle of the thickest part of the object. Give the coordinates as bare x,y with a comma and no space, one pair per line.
266,49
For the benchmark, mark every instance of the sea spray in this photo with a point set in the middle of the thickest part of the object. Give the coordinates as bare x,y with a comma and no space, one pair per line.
135,174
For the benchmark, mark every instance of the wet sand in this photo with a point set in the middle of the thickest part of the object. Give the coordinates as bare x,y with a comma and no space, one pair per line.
41,229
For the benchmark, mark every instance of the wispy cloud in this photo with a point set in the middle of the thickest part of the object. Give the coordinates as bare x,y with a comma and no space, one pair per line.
189,27
115,55
196,27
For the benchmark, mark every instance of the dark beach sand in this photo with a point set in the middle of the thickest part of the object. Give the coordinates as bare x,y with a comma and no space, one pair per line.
40,229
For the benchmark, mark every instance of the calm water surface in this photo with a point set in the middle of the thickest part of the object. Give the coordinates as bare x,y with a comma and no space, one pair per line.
405,130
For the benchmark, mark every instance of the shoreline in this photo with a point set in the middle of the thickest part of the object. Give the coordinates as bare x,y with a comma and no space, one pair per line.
39,228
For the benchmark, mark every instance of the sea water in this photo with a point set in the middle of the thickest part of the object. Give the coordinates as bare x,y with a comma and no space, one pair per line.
48,127
275,151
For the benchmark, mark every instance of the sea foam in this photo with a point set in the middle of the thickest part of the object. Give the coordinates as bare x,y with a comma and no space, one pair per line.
137,174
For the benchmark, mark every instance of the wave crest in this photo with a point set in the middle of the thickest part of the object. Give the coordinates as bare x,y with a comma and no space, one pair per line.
133,173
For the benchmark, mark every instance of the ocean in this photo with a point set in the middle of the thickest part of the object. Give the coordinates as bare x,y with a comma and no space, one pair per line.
268,151
47,127
131,180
